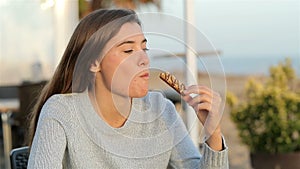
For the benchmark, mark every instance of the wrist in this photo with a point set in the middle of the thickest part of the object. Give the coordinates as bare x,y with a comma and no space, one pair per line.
215,140
217,132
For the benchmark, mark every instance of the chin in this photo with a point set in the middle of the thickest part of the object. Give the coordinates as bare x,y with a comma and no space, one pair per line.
139,94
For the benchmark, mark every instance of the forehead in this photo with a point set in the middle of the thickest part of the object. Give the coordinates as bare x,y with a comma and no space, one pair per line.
130,30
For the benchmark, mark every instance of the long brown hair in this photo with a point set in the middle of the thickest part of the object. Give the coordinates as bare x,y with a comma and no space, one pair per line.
85,46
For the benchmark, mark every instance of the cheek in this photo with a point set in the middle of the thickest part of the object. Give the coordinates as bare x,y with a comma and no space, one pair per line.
110,66
122,75
125,70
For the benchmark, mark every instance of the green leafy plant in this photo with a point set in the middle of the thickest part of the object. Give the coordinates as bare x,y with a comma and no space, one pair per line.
268,120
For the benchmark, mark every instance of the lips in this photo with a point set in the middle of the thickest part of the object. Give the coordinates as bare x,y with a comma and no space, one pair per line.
145,75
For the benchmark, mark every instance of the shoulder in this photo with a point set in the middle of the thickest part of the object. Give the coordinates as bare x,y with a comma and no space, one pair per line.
163,105
168,115
57,101
57,106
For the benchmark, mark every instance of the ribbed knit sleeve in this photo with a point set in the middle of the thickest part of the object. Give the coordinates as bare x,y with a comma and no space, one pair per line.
186,156
214,159
49,142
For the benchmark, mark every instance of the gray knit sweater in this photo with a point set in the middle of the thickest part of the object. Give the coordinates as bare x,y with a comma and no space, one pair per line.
70,134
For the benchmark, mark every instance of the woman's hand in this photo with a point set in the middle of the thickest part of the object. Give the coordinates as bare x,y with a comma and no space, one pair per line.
206,104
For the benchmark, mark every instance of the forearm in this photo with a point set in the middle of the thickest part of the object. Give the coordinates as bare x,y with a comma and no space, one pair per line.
215,140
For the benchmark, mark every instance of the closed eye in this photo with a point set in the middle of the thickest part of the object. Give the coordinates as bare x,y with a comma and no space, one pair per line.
128,51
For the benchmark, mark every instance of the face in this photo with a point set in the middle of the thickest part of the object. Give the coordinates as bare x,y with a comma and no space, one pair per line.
124,69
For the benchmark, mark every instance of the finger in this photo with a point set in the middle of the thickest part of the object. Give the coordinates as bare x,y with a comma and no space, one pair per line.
202,106
200,99
196,89
201,90
208,108
186,98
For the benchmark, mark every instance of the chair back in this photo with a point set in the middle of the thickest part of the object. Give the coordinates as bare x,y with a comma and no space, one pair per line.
9,92
28,95
19,158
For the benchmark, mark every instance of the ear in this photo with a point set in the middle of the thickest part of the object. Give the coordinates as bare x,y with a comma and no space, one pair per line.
95,67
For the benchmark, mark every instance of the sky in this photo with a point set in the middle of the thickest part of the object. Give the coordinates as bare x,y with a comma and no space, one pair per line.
239,28
252,35
248,28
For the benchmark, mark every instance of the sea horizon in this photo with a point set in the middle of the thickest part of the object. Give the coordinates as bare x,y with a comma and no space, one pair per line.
232,65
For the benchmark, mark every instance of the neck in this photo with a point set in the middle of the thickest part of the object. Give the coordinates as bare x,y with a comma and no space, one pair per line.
113,109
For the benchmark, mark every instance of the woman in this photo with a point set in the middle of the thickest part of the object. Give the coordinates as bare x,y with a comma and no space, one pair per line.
96,112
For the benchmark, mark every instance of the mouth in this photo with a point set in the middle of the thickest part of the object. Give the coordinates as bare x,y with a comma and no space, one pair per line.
145,75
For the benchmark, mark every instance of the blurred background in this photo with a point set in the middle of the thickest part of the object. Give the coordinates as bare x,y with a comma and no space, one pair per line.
255,34
249,37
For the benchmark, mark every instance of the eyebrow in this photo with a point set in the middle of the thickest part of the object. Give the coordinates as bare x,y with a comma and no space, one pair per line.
130,42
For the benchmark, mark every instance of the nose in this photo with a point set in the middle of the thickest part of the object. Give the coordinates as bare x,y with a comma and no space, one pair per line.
143,59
